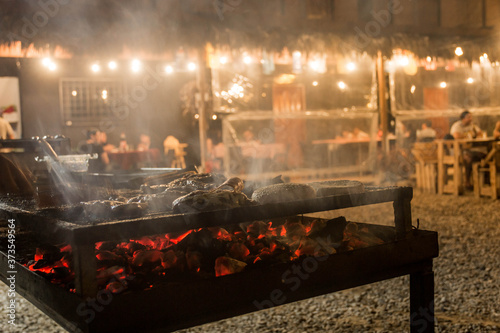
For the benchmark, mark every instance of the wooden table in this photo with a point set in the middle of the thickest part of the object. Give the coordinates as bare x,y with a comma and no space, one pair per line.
450,156
130,159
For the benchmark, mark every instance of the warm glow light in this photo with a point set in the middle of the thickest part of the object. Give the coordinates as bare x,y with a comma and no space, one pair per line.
74,93
470,80
247,60
196,116
315,83
429,59
136,65
214,117
223,60
112,65
403,61
104,94
459,51
169,69
315,65
351,66
342,85
443,84
95,68
264,94
191,66
52,66
412,89
485,56
46,62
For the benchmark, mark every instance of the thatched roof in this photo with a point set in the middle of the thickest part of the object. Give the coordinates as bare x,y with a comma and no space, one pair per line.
105,27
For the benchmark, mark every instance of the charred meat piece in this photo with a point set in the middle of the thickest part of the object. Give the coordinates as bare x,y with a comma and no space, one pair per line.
159,202
106,209
194,182
202,201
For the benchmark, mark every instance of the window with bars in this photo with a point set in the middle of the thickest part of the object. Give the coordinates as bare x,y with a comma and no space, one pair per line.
88,101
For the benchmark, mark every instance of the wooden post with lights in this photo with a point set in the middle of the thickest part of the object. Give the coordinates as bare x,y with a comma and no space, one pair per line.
382,101
202,120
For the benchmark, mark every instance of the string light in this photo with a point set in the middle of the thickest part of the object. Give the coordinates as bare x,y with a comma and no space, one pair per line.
136,65
247,59
169,69
191,66
470,80
351,66
342,85
95,68
458,51
443,84
112,65
315,83
223,60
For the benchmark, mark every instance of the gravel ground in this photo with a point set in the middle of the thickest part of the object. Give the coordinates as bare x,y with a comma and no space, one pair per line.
467,288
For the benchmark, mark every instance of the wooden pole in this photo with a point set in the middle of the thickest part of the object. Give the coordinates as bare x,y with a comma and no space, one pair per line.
382,100
202,120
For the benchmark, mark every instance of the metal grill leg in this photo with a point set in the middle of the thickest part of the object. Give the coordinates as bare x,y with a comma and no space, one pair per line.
422,301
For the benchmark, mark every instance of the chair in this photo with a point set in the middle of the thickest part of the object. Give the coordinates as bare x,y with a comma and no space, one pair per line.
450,165
487,169
426,157
172,143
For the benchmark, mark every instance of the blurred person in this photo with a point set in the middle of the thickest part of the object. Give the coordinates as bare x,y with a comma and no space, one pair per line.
6,131
427,133
93,145
103,141
123,145
144,142
496,131
466,129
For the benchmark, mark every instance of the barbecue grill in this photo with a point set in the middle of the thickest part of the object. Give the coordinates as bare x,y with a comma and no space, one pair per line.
182,304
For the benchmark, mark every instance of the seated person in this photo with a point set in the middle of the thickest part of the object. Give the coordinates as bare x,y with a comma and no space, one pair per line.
144,142
496,131
462,129
93,146
427,133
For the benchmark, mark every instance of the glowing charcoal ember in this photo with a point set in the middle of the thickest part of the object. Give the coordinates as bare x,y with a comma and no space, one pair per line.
116,287
105,274
169,259
177,239
226,265
295,230
257,228
239,251
146,241
148,256
354,238
193,260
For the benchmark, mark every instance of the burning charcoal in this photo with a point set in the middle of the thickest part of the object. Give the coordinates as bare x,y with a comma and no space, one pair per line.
355,238
257,228
317,227
226,265
103,275
116,287
50,253
334,228
132,247
42,263
107,258
149,256
239,251
61,273
105,246
193,260
169,259
311,247
295,230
